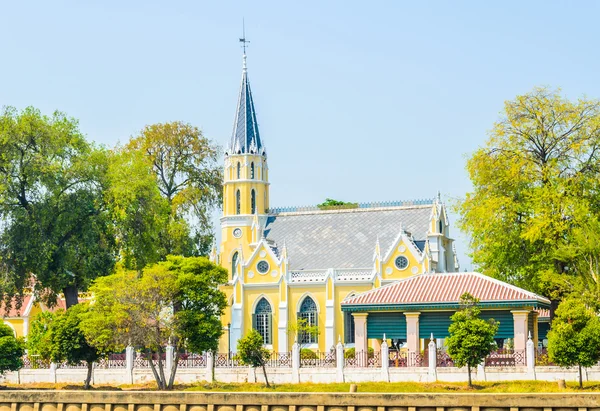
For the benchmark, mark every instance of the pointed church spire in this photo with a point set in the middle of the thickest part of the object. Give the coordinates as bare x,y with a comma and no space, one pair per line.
245,138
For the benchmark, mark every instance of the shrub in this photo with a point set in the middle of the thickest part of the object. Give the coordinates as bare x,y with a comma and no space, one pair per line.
351,352
308,354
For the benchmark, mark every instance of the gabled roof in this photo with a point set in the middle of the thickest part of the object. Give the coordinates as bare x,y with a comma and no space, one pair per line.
245,138
445,289
343,238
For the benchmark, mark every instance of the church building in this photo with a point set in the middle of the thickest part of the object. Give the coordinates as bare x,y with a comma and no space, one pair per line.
296,263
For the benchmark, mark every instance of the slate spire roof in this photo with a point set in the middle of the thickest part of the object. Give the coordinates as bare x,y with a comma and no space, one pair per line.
245,138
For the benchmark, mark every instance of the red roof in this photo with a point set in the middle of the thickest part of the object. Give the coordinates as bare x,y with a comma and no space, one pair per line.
444,288
543,313
13,312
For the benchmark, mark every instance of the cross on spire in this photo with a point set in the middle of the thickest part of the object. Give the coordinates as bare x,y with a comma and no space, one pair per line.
243,39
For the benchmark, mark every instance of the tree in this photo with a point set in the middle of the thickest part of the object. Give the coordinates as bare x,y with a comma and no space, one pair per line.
471,338
54,219
574,338
251,352
175,301
11,350
302,331
58,337
330,203
186,172
535,183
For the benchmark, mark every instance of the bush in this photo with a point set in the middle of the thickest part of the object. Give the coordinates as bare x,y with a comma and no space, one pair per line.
351,352
307,354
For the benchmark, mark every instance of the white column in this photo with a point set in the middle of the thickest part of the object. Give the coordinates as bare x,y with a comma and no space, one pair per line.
282,328
385,360
329,324
53,368
360,333
339,360
520,335
295,363
432,347
412,336
236,325
25,326
210,362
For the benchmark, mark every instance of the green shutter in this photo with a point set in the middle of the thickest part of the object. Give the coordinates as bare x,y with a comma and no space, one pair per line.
543,329
435,323
254,321
507,322
316,336
392,324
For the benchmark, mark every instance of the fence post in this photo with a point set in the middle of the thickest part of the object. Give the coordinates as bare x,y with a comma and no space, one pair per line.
169,357
432,374
385,360
339,360
210,362
295,363
530,357
53,368
129,363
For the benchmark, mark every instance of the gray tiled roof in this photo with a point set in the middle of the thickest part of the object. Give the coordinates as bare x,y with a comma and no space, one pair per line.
344,238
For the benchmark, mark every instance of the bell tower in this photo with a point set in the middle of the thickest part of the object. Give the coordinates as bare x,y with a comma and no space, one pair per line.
246,182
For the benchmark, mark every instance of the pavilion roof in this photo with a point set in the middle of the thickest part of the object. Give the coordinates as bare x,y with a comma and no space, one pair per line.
444,289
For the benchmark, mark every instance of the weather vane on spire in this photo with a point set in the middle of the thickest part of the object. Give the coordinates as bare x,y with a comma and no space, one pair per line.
243,39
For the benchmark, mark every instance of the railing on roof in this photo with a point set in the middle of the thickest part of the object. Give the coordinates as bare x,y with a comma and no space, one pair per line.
353,274
308,276
377,204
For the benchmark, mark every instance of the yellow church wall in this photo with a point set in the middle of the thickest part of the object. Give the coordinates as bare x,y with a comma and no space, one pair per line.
318,294
16,323
251,298
341,291
257,277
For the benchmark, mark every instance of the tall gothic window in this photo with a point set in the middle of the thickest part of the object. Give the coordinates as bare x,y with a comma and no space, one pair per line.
234,263
261,320
349,326
441,226
308,312
252,170
239,168
253,201
238,206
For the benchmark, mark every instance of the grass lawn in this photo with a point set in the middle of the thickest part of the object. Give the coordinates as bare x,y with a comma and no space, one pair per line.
375,387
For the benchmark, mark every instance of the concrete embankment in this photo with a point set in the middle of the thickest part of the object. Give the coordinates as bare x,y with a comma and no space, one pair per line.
193,401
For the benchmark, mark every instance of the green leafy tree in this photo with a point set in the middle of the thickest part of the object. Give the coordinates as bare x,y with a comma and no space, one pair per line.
175,301
535,184
55,221
471,338
58,337
175,162
302,331
574,338
336,204
251,352
11,350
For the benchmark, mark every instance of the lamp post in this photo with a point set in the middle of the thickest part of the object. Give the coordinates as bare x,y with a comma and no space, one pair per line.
228,340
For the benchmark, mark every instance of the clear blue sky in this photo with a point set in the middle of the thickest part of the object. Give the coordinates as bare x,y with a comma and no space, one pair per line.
356,100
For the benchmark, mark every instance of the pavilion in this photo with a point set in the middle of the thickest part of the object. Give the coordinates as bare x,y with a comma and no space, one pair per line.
413,309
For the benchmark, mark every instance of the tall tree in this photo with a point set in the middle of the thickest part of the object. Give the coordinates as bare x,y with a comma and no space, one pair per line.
175,301
535,182
471,338
188,176
11,350
251,351
575,336
54,220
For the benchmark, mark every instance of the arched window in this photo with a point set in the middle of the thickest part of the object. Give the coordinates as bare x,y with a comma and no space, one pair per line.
441,227
253,201
252,171
239,168
265,203
238,206
261,320
308,312
234,263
